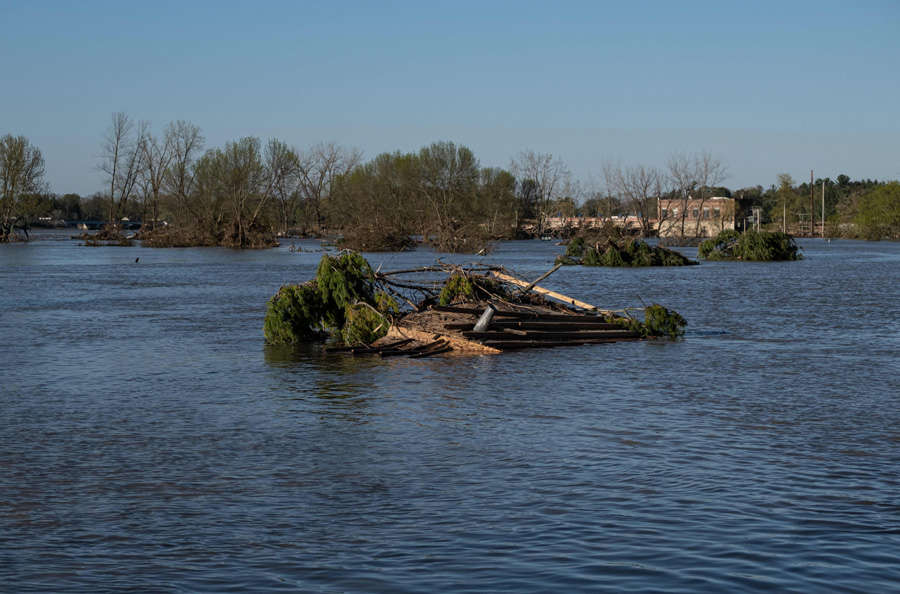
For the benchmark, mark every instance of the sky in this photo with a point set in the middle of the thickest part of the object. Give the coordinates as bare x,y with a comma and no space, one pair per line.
765,87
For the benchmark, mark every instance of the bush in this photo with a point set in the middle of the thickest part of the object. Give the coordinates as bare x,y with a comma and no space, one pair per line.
750,246
363,325
458,285
300,313
343,281
659,321
294,314
621,251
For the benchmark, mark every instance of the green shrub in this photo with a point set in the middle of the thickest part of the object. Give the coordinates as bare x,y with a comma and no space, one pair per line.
750,246
659,321
458,285
343,281
363,325
294,314
575,249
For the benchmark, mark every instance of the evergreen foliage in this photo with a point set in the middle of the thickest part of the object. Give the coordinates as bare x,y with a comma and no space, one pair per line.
620,252
458,285
750,246
659,321
363,325
343,281
335,301
294,314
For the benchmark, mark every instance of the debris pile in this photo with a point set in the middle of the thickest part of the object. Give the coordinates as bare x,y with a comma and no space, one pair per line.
471,310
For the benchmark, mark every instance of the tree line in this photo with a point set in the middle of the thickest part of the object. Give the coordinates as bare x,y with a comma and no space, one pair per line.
249,192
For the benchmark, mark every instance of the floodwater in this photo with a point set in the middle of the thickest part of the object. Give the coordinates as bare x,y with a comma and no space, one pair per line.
149,441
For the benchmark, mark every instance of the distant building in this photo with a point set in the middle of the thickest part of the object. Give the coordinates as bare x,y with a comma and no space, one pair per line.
695,217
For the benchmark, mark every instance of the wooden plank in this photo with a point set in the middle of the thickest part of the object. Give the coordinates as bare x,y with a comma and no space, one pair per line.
538,325
548,336
546,292
524,315
459,344
414,350
513,345
429,353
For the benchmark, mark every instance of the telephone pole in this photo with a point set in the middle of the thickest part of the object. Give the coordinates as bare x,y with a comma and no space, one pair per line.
812,211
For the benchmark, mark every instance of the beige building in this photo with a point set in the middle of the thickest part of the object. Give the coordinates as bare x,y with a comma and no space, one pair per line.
695,217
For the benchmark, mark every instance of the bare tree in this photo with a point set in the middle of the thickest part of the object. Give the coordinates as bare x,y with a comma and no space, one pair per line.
639,187
186,144
283,167
21,172
156,156
121,161
549,176
318,168
692,178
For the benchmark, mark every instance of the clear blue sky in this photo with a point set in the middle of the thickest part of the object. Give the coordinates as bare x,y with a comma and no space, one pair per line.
768,87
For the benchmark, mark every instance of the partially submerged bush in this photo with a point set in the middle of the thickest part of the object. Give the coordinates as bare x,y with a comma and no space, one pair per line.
658,321
343,281
750,246
294,314
619,252
341,300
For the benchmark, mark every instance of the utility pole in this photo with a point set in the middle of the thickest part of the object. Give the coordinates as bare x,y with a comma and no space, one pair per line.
812,207
784,218
823,209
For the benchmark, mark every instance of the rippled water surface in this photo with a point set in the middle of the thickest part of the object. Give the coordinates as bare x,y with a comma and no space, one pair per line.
149,441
